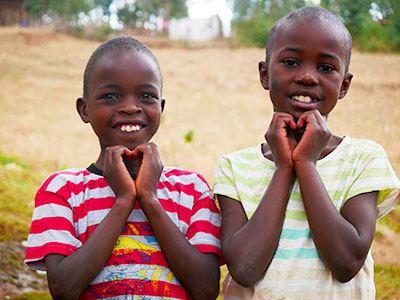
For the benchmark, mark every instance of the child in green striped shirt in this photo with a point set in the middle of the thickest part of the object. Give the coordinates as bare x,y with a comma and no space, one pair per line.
299,211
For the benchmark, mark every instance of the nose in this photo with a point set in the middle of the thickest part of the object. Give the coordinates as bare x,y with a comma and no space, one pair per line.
307,75
130,105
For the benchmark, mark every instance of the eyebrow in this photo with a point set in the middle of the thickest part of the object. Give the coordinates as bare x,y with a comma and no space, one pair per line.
331,56
117,86
109,86
324,55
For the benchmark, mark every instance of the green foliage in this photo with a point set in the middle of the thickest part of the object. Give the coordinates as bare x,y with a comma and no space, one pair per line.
103,32
18,185
253,32
373,37
134,15
374,25
128,15
6,160
387,281
253,19
104,4
32,296
67,10
175,9
79,31
189,136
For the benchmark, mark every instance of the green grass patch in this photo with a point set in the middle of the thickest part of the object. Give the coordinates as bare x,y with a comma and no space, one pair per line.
387,282
18,185
33,296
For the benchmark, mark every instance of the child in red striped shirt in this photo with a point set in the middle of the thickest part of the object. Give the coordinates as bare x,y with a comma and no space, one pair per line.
126,227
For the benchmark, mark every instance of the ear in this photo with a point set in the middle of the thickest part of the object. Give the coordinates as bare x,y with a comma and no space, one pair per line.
82,109
345,85
162,104
264,77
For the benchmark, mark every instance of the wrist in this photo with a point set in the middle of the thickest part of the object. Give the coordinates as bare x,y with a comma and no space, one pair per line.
284,172
149,200
287,169
121,210
298,165
124,203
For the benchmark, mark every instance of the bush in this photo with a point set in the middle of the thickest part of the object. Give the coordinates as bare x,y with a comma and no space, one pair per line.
253,32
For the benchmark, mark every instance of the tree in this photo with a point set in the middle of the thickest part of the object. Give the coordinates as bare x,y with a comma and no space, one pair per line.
105,5
137,14
66,10
254,18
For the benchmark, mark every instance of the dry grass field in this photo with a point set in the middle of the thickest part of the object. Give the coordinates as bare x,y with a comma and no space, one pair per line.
214,92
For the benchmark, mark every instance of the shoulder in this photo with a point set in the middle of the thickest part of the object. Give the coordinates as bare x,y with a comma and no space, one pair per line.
183,179
356,149
242,156
59,179
361,144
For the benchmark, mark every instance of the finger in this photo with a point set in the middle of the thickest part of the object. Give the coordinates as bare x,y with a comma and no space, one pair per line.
322,123
291,123
112,153
156,153
309,117
320,118
139,151
279,116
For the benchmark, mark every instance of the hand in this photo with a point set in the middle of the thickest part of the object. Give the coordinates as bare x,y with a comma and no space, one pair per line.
117,175
149,171
316,136
281,139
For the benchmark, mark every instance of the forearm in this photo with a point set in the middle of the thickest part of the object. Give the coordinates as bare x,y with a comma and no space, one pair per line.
85,264
196,271
341,246
249,251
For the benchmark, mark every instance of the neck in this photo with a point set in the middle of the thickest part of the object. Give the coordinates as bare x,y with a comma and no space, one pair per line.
130,164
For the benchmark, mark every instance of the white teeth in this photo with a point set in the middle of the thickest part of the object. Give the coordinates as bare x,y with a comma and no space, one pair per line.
304,99
130,128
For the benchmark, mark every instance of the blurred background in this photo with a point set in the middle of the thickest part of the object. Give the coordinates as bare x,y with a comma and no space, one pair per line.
209,52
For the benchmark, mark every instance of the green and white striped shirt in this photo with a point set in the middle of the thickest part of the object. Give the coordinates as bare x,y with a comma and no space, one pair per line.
297,272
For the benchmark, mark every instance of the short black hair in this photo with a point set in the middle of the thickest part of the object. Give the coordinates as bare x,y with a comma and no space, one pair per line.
123,42
312,12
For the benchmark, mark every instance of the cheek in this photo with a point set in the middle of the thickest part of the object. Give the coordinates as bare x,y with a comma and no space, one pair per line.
274,85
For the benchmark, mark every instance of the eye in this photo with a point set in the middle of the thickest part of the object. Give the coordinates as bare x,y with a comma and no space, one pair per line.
327,68
148,97
290,63
108,96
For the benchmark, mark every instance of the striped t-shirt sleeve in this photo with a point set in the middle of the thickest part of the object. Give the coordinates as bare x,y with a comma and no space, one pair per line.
52,229
375,173
224,183
204,228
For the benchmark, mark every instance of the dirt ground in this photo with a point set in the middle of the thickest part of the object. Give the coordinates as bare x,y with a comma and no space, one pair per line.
386,247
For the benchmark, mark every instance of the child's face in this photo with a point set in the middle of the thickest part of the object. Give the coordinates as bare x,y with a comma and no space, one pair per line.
306,70
124,103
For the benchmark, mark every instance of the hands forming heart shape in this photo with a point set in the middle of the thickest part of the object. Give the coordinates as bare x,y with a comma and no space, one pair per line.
133,173
304,140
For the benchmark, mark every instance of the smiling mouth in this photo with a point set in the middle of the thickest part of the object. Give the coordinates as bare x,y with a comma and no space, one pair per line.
130,127
303,99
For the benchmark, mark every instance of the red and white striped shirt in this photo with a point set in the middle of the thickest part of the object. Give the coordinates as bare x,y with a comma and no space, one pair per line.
71,203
